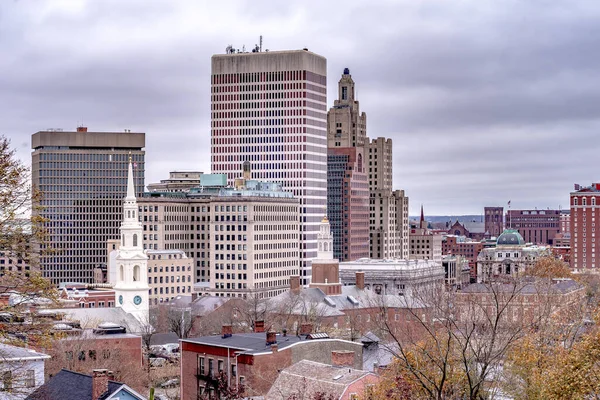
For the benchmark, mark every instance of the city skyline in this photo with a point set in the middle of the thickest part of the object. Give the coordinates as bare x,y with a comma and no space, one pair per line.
485,103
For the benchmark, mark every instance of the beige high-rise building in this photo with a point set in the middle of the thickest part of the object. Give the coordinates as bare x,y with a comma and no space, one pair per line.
380,164
346,125
389,224
243,241
83,179
269,108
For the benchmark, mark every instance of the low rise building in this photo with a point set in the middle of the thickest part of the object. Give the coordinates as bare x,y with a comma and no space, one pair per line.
457,271
424,243
464,247
67,385
307,379
508,258
22,371
394,277
254,359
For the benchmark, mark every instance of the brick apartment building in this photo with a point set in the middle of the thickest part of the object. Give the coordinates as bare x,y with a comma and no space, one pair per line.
254,359
536,226
585,201
461,246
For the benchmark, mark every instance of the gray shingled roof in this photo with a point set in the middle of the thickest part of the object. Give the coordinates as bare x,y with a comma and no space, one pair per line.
250,343
69,385
306,378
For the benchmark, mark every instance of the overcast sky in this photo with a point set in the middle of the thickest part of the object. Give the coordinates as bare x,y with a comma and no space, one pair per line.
486,101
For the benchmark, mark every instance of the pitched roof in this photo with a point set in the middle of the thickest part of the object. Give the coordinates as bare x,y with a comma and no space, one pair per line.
69,385
306,378
14,353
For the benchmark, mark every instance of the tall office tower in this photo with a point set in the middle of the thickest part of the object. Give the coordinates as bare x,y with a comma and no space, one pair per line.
380,164
269,108
346,125
347,186
348,203
389,226
585,207
494,220
83,179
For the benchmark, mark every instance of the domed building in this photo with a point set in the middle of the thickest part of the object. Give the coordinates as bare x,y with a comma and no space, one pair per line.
509,257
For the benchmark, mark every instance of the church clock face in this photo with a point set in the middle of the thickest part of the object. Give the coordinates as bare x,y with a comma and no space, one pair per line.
137,300
121,299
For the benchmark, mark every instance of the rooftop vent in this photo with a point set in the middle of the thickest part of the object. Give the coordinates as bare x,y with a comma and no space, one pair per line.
109,328
329,302
320,335
353,300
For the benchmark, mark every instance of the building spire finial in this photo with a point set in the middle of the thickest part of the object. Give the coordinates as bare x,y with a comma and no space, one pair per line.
130,182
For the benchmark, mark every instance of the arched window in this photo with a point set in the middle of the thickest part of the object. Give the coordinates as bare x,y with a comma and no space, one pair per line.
593,201
121,273
575,201
584,201
320,246
360,163
128,214
135,240
136,273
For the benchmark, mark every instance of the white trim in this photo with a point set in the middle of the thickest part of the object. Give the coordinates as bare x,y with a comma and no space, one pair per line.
127,389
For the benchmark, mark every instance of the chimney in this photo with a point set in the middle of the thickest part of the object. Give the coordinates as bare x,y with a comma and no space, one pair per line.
226,331
259,326
99,383
194,296
360,280
271,338
342,358
82,129
295,284
306,328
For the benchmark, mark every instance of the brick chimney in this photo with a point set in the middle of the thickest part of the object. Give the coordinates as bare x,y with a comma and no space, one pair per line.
342,358
306,328
99,383
82,129
295,284
259,326
226,331
360,280
271,338
194,296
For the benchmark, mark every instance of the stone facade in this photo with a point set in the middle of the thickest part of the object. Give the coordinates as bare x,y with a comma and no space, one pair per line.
394,277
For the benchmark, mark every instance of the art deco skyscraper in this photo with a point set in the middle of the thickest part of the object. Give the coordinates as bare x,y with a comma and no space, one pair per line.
269,108
368,218
83,179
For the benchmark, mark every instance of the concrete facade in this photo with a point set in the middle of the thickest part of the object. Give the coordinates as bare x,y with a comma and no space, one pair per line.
269,108
83,178
170,273
389,225
241,240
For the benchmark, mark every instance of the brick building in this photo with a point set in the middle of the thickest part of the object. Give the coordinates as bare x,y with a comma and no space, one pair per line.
494,224
585,202
536,226
461,246
253,359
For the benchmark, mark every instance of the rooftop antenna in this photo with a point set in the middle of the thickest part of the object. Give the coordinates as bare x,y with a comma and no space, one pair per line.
260,44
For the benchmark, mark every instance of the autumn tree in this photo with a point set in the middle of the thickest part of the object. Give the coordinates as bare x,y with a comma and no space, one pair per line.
22,242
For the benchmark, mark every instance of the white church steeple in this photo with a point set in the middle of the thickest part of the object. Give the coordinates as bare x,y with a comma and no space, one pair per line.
325,241
131,287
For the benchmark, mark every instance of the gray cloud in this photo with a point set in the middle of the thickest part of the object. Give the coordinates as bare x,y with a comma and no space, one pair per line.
486,101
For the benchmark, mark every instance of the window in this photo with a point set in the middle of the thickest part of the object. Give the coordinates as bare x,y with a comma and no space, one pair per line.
210,366
135,240
7,380
30,378
220,365
233,370
201,365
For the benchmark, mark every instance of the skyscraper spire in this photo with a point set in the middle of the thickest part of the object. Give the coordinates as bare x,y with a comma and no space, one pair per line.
130,182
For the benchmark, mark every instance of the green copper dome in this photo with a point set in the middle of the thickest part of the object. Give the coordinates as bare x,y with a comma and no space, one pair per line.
510,237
